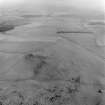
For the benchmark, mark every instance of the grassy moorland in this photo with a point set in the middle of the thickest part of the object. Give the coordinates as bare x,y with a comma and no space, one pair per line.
52,60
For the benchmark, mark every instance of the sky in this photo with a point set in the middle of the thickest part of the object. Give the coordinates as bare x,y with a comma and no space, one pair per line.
84,4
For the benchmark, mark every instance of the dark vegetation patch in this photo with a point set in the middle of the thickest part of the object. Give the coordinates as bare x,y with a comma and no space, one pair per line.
97,23
6,27
31,16
77,32
45,68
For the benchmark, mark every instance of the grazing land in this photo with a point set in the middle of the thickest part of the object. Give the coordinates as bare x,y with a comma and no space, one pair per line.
52,59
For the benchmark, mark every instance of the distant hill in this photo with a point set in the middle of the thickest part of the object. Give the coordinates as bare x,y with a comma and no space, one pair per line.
50,8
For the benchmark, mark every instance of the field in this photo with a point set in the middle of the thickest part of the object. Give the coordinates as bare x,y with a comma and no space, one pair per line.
52,59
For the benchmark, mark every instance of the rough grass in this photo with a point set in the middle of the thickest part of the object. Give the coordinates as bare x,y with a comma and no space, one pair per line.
69,91
56,87
58,93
